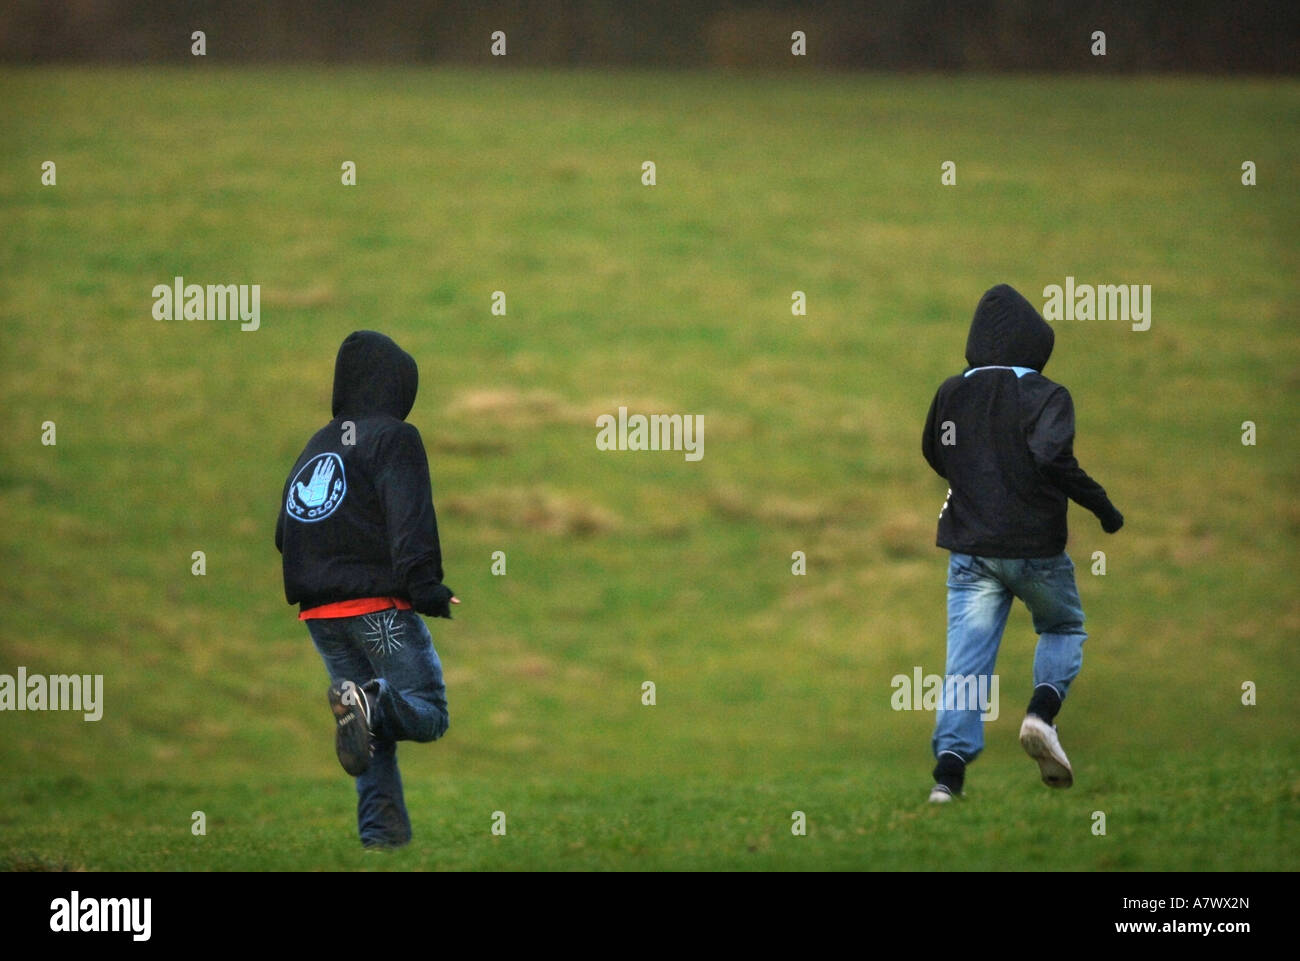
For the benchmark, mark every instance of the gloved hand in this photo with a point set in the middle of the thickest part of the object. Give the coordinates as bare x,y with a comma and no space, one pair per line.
437,603
1111,519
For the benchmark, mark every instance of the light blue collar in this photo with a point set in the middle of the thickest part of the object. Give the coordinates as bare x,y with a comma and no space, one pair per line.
1020,371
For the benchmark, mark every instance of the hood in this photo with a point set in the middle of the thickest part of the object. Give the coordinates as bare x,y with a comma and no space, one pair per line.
1007,331
374,376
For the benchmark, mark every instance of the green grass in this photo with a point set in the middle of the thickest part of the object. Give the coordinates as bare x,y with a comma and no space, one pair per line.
773,690
864,818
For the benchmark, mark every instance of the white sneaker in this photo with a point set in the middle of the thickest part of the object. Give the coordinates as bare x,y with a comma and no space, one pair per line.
1040,742
939,794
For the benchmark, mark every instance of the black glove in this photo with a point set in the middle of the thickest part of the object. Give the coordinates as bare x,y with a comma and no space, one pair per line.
1111,519
436,602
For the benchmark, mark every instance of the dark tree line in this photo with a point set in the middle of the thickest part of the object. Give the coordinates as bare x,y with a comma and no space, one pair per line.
1255,36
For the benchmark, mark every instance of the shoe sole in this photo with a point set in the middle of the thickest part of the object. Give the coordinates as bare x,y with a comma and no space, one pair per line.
1052,762
384,847
352,732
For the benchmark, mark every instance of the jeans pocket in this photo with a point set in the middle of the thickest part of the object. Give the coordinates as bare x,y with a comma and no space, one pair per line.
963,569
416,627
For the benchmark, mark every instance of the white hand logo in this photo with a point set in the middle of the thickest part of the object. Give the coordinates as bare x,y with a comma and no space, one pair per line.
314,494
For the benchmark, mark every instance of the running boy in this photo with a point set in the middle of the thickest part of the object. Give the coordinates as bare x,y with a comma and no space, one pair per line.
1002,435
362,560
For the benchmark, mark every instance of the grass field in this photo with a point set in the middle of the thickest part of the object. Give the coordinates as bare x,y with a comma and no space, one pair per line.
773,690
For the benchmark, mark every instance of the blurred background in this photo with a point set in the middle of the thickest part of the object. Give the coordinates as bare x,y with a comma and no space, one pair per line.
523,174
1260,36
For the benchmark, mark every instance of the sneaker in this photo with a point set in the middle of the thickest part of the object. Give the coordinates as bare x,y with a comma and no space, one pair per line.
949,776
940,794
351,710
382,848
385,844
1040,742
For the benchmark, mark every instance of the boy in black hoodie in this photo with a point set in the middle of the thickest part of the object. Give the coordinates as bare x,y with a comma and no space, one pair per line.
1002,435
362,560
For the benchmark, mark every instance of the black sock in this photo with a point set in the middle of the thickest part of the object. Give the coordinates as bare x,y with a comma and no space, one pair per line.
950,772
1045,703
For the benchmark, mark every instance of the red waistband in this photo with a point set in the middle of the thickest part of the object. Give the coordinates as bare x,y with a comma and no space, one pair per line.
355,606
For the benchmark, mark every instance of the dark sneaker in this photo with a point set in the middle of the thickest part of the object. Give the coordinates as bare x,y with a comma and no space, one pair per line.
381,847
949,776
351,710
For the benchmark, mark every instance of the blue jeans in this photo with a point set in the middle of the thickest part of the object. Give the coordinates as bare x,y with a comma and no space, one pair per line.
395,648
980,591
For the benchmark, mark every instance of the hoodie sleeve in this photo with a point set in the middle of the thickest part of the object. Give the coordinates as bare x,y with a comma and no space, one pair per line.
279,520
406,494
1051,440
928,447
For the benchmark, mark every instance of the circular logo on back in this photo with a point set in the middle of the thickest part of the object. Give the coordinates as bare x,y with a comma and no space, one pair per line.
317,489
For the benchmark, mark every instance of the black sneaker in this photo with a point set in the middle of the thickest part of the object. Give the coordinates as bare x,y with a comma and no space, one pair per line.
383,846
949,776
941,794
351,710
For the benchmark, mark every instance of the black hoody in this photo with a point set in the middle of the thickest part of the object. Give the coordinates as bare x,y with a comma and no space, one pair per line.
356,519
1002,435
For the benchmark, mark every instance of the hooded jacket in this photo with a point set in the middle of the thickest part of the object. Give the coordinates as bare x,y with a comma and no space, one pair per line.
1002,435
356,513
